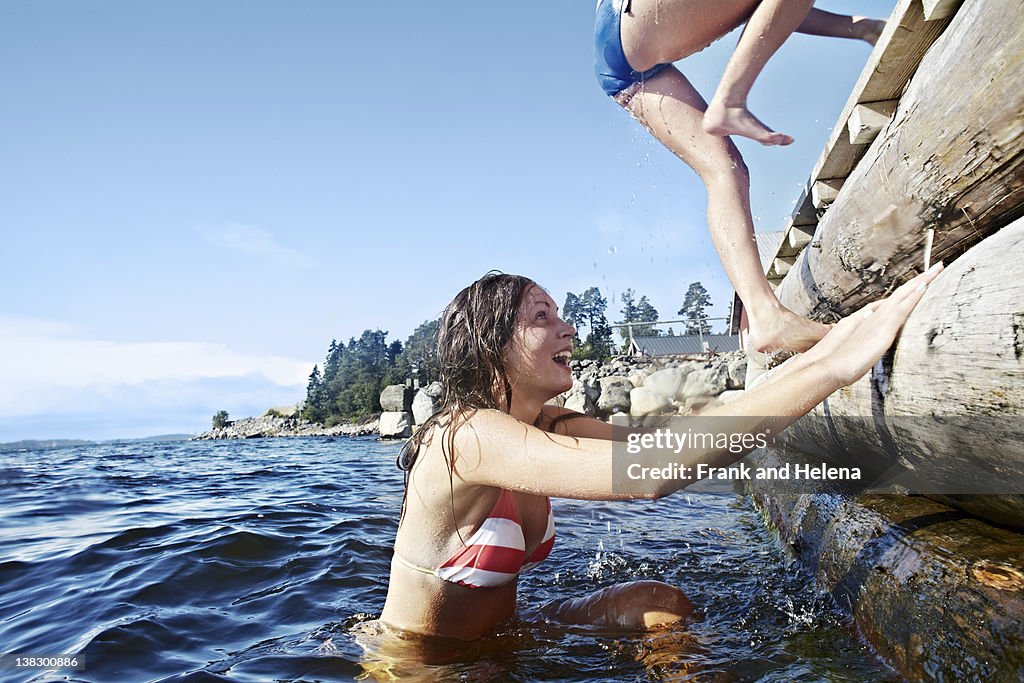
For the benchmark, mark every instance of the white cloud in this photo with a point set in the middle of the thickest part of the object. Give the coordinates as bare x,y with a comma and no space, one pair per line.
58,373
259,242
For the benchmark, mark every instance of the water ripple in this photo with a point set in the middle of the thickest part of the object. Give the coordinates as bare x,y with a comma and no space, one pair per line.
255,560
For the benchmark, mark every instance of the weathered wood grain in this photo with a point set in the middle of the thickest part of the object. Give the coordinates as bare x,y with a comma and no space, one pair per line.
946,411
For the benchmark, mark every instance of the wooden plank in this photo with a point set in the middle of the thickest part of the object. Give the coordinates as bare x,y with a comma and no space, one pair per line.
953,161
900,48
824,192
799,237
939,9
782,264
785,247
805,213
867,120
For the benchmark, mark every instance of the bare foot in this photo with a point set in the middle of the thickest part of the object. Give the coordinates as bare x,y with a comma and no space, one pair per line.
786,331
720,120
867,29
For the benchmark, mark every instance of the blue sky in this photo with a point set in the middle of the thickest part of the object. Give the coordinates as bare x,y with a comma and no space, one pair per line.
197,196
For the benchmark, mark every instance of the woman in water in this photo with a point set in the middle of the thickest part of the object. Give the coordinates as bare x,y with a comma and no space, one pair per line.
636,43
480,471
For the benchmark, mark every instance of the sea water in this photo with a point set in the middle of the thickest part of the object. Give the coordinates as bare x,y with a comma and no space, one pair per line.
256,560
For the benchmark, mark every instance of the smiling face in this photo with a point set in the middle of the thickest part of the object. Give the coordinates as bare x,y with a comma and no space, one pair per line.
537,357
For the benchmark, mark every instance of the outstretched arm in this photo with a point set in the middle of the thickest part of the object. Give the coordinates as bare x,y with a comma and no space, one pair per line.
495,449
821,23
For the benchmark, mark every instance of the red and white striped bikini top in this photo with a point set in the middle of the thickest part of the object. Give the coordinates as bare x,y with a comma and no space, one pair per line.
496,553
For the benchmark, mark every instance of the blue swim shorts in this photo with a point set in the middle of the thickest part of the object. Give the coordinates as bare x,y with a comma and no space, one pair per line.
613,71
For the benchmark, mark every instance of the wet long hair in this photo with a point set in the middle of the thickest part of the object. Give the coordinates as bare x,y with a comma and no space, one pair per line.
476,329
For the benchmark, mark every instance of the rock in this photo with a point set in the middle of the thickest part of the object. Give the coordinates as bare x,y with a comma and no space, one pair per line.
646,401
695,405
426,402
396,398
395,424
580,403
638,377
668,382
582,396
737,373
614,396
706,381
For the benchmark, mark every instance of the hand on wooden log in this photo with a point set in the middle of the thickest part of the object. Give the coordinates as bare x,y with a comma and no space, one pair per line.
857,341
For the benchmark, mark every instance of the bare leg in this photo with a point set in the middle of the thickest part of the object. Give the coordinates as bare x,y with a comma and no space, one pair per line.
672,110
822,23
634,605
768,27
664,31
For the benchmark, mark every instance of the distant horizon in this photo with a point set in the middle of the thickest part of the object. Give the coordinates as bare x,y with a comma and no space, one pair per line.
154,438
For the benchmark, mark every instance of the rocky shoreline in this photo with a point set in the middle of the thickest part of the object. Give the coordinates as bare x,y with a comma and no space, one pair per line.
635,387
266,426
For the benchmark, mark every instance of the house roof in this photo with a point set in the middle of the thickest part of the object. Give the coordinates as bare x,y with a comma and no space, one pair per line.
683,344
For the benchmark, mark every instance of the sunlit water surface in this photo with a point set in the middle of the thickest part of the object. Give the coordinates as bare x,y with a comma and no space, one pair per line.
257,560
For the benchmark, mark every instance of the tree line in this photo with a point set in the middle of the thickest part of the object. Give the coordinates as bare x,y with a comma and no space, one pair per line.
348,385
348,388
588,311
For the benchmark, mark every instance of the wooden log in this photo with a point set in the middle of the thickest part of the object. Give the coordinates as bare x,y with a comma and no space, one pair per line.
952,160
938,593
867,120
824,192
944,415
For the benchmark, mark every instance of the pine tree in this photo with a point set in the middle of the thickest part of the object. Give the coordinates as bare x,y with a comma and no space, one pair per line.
314,408
646,313
598,343
572,313
630,314
695,303
637,312
418,357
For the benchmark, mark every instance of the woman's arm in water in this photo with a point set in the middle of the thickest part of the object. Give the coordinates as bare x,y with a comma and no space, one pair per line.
495,449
